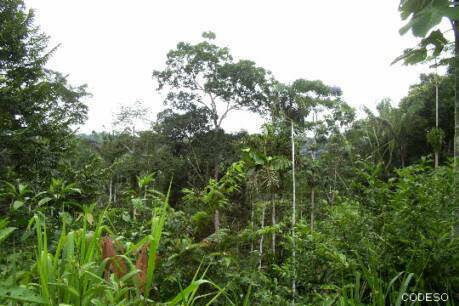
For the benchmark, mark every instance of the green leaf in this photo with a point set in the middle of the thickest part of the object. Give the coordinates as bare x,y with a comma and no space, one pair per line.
44,201
450,12
66,217
403,289
126,217
22,188
17,204
129,275
403,30
90,218
436,39
137,202
76,190
424,20
183,295
21,294
257,158
412,56
5,232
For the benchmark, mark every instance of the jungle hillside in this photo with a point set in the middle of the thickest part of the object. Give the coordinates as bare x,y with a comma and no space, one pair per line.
322,206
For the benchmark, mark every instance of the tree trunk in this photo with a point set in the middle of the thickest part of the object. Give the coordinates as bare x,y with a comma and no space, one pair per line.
436,102
114,193
273,219
456,105
312,208
293,213
110,190
217,213
436,116
456,112
262,236
335,177
253,221
217,220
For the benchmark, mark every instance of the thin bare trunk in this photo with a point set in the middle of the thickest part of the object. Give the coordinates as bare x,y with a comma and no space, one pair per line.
456,105
217,220
114,193
313,156
333,190
312,208
436,103
261,239
273,220
110,190
253,221
436,118
293,213
217,213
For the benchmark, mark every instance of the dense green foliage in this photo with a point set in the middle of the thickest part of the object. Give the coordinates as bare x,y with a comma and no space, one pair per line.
37,106
184,213
424,18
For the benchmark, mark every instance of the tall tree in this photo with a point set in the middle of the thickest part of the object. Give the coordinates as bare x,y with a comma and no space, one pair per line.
37,106
320,111
206,75
265,172
294,103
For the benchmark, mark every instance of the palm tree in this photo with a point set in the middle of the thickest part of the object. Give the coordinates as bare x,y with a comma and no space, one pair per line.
265,178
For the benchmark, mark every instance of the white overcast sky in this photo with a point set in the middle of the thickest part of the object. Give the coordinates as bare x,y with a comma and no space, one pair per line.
113,46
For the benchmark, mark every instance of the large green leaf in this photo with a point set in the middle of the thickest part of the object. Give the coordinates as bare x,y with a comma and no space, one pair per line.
420,53
436,39
18,204
21,294
450,12
44,201
5,232
183,295
426,21
257,158
427,17
412,56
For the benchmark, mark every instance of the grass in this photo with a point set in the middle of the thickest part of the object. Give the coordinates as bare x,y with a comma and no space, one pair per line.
72,272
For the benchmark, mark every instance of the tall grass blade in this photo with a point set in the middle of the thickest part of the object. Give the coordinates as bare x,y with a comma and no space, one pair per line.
403,289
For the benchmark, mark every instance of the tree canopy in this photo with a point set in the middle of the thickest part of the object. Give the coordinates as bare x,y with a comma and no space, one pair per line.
38,108
206,75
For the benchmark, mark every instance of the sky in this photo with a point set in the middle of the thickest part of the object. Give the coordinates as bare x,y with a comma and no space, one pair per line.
114,46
